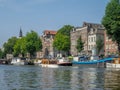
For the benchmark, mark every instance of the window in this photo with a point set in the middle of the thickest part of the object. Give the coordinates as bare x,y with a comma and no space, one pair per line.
91,39
88,39
94,39
89,47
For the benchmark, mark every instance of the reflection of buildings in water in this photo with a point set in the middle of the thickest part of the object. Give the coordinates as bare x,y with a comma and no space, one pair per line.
89,79
47,78
63,78
76,79
55,78
112,79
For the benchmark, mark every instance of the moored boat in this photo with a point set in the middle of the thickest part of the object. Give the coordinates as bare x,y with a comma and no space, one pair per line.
114,64
18,61
48,63
92,61
55,63
64,64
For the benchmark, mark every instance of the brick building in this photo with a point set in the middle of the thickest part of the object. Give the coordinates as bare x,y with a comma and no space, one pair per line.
110,47
89,33
74,35
47,41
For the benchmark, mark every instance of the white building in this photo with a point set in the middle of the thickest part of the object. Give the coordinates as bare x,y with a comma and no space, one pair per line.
94,35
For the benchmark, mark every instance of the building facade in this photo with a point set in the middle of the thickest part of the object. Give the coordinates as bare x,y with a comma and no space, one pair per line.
74,35
110,47
47,42
89,33
95,33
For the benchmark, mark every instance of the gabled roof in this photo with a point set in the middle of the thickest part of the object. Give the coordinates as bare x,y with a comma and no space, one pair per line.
50,32
93,25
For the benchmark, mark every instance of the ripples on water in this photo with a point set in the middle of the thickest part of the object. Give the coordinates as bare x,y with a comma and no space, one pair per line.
63,78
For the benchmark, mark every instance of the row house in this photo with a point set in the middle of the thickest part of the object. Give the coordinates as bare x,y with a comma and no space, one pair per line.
74,35
89,33
110,46
95,33
47,42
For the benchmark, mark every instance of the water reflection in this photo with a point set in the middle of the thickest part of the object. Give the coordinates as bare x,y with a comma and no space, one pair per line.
73,79
68,78
87,79
112,79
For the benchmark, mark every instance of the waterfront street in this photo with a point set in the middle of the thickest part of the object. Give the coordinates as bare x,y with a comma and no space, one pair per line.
62,78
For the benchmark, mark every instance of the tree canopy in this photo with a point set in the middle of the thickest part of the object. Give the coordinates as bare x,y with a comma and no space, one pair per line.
30,43
9,45
62,38
1,53
61,42
20,47
65,30
80,44
99,45
111,21
33,42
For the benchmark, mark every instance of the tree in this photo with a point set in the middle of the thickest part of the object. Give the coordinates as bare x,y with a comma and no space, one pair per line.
61,42
99,45
111,21
8,46
62,39
80,44
65,30
1,53
20,47
33,42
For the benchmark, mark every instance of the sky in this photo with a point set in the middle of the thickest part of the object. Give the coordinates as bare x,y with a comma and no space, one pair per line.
40,15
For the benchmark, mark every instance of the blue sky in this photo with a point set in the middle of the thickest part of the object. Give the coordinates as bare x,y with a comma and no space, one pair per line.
40,15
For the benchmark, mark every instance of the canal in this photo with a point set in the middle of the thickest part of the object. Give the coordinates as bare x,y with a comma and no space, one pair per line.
63,78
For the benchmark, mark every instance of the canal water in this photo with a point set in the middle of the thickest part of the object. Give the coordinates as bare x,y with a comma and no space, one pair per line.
63,78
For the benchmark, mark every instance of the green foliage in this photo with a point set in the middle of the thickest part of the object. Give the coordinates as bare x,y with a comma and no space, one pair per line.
61,42
8,46
99,44
1,53
80,44
30,43
62,38
20,47
65,30
111,21
33,42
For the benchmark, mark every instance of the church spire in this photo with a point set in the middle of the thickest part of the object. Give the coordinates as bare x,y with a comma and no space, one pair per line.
20,33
